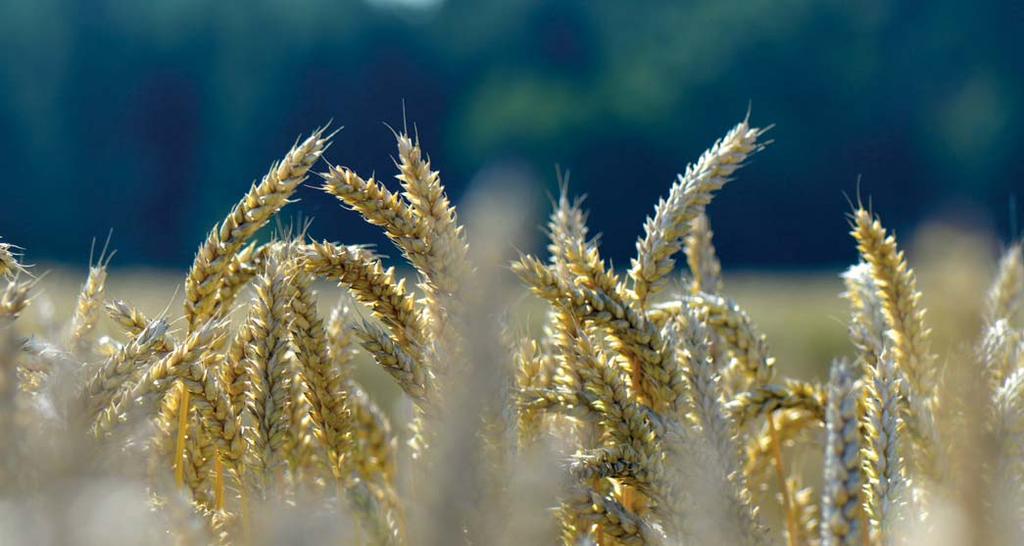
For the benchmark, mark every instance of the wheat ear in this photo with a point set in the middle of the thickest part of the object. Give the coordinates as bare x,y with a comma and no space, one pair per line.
705,269
529,363
245,219
372,446
789,425
766,399
328,401
14,299
566,229
883,464
661,381
1006,296
124,366
9,265
87,309
242,268
665,231
134,323
573,255
447,248
155,381
717,429
613,519
842,508
380,207
622,421
411,376
373,285
868,323
1000,352
904,315
258,370
1008,429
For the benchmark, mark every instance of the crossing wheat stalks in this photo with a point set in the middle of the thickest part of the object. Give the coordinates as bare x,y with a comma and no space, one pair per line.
635,414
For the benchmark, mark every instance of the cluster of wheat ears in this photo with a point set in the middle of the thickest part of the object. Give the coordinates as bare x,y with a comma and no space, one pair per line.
667,408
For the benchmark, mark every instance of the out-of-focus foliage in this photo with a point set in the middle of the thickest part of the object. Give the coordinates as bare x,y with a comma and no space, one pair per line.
141,115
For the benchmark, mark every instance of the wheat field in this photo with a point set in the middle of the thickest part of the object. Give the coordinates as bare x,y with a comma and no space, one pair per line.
298,390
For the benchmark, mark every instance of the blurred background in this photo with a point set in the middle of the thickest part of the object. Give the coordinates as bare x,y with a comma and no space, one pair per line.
152,118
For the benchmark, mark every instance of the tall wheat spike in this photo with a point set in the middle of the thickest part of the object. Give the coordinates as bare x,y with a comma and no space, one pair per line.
665,231
896,284
249,215
842,509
